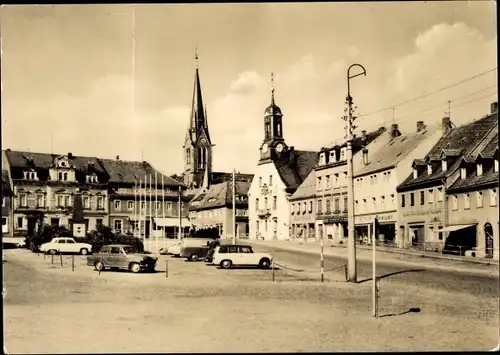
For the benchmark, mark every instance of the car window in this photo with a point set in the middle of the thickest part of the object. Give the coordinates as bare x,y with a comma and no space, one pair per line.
60,241
104,250
129,250
247,250
70,241
115,250
232,249
222,249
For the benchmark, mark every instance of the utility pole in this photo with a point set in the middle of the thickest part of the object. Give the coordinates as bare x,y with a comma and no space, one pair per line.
179,236
351,241
374,269
234,207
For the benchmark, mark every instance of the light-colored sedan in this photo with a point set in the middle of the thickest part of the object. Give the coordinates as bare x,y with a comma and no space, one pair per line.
227,256
174,250
65,245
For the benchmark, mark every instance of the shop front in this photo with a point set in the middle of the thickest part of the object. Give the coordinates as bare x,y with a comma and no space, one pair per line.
333,227
364,228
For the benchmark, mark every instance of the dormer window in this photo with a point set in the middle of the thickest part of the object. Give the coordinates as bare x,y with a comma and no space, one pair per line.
365,156
342,154
30,175
479,169
332,156
415,173
444,165
322,160
463,173
429,169
92,179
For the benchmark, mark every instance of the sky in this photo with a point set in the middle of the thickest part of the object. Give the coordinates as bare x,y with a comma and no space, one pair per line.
117,80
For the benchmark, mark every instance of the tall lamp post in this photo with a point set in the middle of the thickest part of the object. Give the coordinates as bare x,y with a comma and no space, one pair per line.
351,241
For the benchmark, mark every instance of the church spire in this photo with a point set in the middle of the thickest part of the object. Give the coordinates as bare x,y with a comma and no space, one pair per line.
272,88
198,120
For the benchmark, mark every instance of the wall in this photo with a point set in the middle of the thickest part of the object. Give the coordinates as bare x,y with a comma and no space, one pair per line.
281,213
488,213
299,218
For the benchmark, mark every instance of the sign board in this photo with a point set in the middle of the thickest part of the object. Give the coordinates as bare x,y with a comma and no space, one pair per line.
79,229
382,218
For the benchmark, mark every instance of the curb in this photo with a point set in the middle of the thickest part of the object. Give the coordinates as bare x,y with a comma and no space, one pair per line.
397,252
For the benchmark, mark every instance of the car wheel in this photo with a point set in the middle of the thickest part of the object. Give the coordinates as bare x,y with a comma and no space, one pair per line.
52,252
99,266
226,264
264,263
193,257
134,267
84,251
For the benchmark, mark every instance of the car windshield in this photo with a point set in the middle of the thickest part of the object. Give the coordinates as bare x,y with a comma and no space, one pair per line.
129,250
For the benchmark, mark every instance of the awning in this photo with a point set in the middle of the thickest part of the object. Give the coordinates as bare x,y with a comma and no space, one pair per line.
171,222
455,227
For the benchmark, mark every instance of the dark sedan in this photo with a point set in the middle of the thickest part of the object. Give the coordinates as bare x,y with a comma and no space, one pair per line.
119,256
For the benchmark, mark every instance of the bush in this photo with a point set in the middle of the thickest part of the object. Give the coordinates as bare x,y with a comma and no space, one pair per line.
103,235
46,234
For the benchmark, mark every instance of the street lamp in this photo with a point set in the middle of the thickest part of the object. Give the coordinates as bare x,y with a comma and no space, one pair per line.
351,242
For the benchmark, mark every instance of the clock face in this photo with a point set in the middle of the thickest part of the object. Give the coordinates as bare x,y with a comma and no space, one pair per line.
203,141
279,148
264,148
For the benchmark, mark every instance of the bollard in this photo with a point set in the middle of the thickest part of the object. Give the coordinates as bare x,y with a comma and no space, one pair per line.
73,262
166,269
272,266
52,258
44,255
60,257
345,273
322,261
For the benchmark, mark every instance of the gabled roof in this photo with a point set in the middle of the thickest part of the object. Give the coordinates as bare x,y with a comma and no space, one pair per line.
464,138
220,195
294,166
128,172
489,150
358,142
391,154
6,189
307,188
473,181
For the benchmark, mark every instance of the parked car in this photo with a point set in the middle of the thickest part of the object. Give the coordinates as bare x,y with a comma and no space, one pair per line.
120,256
211,250
240,255
194,248
174,250
65,245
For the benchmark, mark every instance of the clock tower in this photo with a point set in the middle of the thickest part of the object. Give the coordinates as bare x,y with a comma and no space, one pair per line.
273,146
197,144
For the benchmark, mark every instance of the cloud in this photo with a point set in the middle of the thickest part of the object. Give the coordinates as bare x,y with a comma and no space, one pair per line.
247,83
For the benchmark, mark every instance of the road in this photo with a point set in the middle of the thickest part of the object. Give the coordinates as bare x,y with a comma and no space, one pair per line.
199,308
437,279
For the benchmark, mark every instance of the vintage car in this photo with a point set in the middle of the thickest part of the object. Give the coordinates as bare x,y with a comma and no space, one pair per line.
65,245
174,250
120,256
194,249
227,256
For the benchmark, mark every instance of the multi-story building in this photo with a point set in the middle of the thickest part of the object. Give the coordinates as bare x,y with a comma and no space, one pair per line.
6,205
144,199
303,210
212,207
377,175
423,212
44,186
473,201
280,171
331,183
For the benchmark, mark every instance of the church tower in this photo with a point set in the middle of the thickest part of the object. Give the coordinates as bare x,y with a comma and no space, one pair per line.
197,144
273,146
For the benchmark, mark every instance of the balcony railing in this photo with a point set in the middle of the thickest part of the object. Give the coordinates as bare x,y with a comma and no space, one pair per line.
263,212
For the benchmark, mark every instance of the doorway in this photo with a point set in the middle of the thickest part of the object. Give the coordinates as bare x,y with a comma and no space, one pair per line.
488,235
31,226
417,234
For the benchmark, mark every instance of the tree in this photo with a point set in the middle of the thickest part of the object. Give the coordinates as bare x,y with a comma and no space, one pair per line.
45,235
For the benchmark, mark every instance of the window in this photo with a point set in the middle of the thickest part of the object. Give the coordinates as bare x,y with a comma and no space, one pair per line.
320,206
257,226
266,206
327,181
318,183
337,182
364,204
495,167
356,206
67,201
454,202
3,201
265,225
260,181
440,234
158,205
374,203
270,180
342,154
305,208
463,173
39,200
19,222
4,221
60,201
429,169
479,199
412,199
422,197
100,202
382,202
65,178
118,225
328,206
345,204
431,195
293,208
275,202
493,197
23,200
415,173
246,250
130,205
86,202
337,205
256,204
374,179
332,156
310,206
439,194
479,169
344,182
169,205
118,205
444,165
466,201
388,176
322,160
60,176
403,200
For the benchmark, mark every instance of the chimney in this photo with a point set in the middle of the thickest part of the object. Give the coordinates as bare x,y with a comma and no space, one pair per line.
420,126
445,125
70,155
117,157
365,156
494,107
363,134
394,130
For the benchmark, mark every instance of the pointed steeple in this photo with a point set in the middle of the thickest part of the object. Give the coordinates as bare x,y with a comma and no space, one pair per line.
197,113
206,183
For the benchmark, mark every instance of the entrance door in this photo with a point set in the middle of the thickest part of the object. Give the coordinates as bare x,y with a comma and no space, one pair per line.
488,235
54,222
31,226
417,237
147,229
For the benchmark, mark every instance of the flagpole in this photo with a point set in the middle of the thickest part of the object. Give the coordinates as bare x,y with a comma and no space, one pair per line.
134,231
139,217
145,206
150,210
156,211
180,215
234,208
163,210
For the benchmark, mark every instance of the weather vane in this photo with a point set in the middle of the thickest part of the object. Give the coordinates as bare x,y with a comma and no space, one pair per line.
196,56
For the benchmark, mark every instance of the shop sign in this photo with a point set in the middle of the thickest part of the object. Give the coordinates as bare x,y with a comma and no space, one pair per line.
368,219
